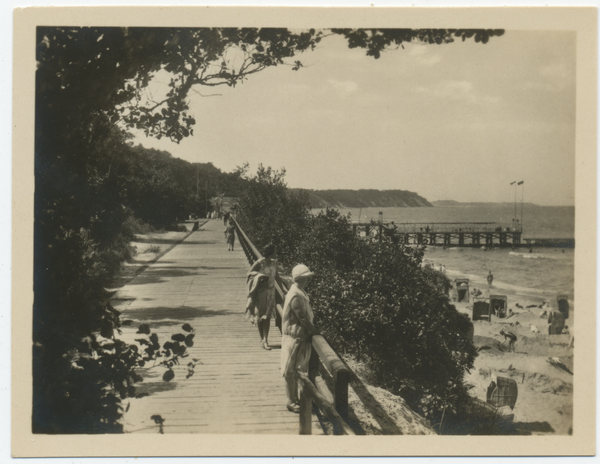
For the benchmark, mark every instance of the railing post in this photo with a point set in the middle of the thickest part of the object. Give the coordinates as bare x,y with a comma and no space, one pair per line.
305,413
341,393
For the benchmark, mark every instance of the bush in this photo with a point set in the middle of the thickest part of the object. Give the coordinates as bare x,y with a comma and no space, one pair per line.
174,227
137,226
373,299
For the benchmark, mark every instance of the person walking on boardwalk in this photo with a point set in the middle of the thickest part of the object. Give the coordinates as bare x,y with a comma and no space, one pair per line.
230,235
297,332
266,298
490,279
511,337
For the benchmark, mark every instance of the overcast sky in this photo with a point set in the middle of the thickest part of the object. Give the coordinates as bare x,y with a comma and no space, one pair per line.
450,122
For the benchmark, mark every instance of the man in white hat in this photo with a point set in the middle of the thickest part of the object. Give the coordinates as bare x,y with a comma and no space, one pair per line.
297,331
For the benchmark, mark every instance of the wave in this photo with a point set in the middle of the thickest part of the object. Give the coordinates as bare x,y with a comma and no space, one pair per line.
531,255
499,287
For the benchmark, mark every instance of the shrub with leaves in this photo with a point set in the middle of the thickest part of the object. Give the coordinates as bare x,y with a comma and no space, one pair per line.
171,351
373,299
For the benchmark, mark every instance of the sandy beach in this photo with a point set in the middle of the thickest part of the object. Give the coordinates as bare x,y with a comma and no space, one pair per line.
545,391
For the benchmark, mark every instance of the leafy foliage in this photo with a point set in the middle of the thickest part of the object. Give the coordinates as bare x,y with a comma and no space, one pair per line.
270,213
377,40
103,369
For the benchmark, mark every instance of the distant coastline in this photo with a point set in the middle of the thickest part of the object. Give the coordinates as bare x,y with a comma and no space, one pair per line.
371,198
480,203
364,198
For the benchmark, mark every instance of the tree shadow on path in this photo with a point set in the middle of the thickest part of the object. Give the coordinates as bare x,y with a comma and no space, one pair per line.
181,313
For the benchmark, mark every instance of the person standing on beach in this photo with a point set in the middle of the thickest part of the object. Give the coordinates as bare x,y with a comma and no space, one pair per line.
297,332
266,301
490,279
511,337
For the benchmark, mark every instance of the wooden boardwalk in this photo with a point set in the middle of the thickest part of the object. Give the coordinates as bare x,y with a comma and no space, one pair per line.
238,387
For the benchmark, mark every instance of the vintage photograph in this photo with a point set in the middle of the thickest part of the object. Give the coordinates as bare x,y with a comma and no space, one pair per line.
316,230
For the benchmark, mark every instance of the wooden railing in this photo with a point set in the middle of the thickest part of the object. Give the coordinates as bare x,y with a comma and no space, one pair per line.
435,227
313,388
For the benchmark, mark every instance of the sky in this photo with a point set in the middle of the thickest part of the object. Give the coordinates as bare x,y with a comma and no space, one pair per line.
458,121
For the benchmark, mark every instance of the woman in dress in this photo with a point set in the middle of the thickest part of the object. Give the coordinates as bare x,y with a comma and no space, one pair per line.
298,329
266,298
230,235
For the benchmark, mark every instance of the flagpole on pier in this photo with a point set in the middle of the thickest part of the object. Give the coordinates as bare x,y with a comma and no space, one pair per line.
515,215
522,195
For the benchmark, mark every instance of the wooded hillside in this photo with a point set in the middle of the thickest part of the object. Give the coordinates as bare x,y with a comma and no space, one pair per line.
363,198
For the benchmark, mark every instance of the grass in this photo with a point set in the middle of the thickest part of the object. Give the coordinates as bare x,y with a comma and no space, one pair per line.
153,249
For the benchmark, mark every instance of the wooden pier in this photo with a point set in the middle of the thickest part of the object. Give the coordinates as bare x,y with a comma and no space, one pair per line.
449,234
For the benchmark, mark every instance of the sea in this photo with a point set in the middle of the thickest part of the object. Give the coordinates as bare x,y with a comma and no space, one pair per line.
539,275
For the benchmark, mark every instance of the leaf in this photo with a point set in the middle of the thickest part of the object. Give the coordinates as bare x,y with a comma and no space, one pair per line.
187,327
144,329
189,340
157,419
178,337
168,376
154,339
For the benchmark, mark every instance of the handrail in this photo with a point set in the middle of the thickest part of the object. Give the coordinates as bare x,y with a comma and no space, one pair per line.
320,348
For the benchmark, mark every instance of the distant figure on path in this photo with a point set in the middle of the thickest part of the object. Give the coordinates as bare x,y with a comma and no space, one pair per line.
266,301
490,279
226,218
511,337
298,329
230,236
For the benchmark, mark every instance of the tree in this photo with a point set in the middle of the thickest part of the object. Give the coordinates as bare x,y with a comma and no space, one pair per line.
270,213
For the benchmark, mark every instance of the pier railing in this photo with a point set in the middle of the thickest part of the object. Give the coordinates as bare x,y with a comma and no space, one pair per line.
333,403
439,227
468,234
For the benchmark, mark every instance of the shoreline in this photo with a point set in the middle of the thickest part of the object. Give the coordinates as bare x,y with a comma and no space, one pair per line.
514,291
